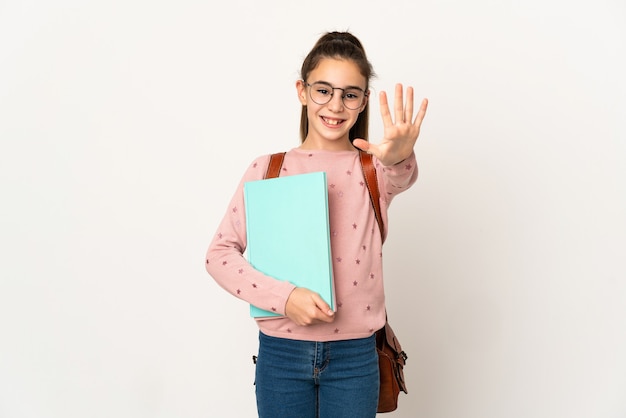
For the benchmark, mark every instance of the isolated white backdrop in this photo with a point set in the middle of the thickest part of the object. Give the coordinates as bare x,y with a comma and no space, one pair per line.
126,125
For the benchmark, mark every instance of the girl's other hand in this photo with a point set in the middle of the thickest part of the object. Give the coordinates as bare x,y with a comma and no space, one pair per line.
400,134
305,307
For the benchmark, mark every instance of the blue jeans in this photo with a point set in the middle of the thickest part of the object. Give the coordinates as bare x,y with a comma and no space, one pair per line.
307,379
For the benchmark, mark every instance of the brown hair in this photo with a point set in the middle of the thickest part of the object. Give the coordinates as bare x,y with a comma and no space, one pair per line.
345,46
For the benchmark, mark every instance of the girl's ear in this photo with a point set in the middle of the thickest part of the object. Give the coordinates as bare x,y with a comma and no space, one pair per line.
301,88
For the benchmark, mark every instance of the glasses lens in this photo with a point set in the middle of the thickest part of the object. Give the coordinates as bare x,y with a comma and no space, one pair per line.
353,98
321,93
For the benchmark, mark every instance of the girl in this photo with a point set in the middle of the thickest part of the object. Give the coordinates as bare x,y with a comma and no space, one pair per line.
313,362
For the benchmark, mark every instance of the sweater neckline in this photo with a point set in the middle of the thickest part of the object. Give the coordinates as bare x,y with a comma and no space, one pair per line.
323,151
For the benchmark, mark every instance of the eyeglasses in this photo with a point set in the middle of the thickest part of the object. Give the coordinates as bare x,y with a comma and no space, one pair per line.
321,93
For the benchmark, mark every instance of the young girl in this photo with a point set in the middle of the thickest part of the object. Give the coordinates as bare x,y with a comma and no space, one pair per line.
313,362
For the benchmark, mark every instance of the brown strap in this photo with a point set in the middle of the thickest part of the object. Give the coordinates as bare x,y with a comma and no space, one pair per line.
276,163
369,172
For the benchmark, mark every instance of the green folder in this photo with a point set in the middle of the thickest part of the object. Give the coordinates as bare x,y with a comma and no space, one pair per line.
288,232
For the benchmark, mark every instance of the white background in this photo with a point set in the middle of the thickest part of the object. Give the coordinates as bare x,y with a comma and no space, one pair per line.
126,125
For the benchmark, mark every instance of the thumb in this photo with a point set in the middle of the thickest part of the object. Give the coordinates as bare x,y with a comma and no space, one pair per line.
322,305
361,144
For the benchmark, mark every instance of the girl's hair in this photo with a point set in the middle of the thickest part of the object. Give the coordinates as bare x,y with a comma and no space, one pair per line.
344,46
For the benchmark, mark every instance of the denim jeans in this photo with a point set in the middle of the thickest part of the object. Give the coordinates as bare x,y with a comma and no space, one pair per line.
307,379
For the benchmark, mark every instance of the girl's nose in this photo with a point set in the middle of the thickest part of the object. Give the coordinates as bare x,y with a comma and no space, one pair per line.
336,103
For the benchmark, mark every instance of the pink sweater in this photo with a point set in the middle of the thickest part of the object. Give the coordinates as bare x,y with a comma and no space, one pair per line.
355,242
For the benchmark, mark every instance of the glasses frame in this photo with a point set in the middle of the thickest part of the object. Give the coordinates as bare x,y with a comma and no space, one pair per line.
332,94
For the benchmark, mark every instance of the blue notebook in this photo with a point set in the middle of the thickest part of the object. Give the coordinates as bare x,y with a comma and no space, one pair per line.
288,232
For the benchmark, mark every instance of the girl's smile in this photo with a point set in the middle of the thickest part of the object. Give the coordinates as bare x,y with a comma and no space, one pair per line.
332,122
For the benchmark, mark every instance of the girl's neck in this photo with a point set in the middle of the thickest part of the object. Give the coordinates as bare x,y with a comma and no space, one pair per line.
310,144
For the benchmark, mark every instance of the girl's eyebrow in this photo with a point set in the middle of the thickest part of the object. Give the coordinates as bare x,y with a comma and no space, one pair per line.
347,87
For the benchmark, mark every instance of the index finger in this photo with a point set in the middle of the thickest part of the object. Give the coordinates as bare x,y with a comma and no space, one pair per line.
422,112
384,109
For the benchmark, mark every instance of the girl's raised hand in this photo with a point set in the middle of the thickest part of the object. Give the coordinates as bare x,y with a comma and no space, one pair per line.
400,132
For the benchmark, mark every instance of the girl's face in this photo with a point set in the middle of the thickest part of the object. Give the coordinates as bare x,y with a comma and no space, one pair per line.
330,123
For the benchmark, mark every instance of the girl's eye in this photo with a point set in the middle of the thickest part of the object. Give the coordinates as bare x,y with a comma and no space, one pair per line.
353,95
323,92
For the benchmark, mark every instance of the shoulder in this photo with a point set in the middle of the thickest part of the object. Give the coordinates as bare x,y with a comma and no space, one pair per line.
257,168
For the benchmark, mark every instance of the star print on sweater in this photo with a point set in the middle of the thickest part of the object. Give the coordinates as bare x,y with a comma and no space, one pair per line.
359,288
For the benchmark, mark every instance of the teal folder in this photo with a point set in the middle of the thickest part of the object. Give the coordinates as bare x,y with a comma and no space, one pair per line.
288,232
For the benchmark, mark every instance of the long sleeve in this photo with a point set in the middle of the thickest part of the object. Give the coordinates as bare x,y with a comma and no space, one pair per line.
393,180
225,260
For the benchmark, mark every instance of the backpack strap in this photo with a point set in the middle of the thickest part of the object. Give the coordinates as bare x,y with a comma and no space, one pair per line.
371,180
369,172
276,163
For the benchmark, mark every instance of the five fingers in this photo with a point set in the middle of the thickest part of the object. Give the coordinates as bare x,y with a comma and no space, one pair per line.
403,112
